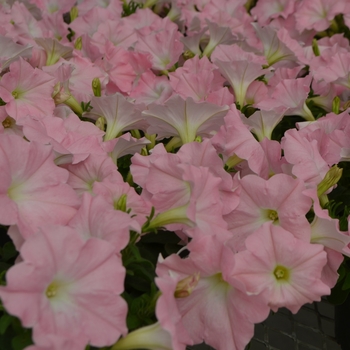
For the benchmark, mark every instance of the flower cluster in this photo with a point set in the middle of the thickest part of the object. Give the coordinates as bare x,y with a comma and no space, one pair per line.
171,170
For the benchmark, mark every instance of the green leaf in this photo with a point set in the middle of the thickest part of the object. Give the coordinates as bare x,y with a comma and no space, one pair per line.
161,237
138,283
5,321
130,8
133,322
342,272
288,122
346,283
20,341
338,295
9,251
3,269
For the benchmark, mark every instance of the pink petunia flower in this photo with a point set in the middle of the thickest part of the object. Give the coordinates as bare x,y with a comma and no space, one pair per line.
162,43
212,309
278,201
184,119
317,14
27,91
286,270
68,287
33,189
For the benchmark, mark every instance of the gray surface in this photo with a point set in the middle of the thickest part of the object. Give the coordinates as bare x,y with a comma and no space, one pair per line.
312,328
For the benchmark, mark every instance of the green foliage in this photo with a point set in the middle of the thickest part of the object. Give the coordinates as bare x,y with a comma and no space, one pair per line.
130,8
316,110
123,164
341,290
12,335
337,26
248,110
339,208
288,122
71,34
140,258
140,289
339,204
86,106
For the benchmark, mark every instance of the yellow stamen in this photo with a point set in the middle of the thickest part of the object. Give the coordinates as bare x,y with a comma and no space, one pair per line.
281,273
51,290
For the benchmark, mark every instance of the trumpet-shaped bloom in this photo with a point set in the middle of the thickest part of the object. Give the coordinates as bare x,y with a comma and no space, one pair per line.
96,218
285,269
240,68
291,94
317,14
199,79
263,122
95,168
213,309
277,201
265,10
121,196
185,119
72,139
308,164
68,287
27,91
119,114
235,140
10,51
279,48
151,89
80,79
163,44
181,193
33,189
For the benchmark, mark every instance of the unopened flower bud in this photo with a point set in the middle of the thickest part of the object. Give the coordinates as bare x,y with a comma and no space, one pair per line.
315,48
78,45
336,105
96,87
73,13
331,178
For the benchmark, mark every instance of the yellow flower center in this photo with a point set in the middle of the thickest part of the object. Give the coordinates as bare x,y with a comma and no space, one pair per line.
281,273
272,215
8,122
15,94
51,290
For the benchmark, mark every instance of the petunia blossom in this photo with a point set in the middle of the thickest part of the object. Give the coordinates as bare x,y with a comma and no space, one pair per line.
278,201
27,91
286,270
33,189
212,309
184,119
68,287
